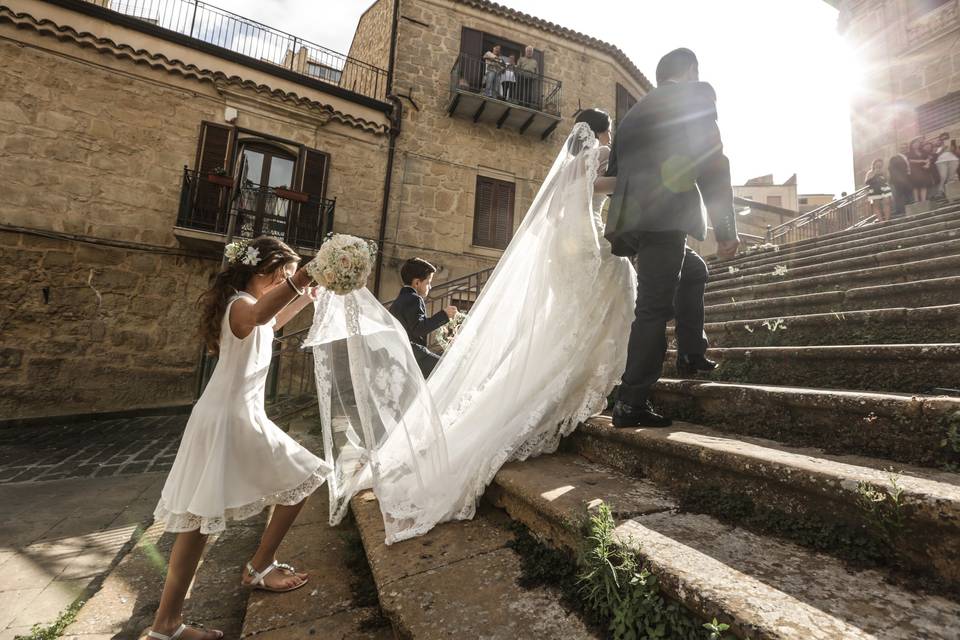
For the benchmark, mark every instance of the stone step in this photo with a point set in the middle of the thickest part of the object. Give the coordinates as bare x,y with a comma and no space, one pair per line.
931,234
822,499
907,226
928,292
876,258
339,602
764,587
921,269
904,368
871,326
460,580
898,427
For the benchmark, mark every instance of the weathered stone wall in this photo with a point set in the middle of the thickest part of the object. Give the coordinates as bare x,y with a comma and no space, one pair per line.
432,207
93,328
371,40
94,145
907,61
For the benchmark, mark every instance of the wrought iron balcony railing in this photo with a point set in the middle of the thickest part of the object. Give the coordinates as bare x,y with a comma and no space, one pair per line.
489,91
220,28
207,202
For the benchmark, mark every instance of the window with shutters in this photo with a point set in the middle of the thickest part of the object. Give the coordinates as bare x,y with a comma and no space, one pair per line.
493,213
776,201
267,185
940,113
625,100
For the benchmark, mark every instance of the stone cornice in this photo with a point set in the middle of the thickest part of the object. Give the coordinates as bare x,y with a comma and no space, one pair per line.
159,61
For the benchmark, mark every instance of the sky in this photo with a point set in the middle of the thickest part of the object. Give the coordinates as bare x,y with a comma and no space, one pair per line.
783,74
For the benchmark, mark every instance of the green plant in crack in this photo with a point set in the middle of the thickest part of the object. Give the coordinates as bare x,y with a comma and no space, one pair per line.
951,442
55,629
883,507
617,589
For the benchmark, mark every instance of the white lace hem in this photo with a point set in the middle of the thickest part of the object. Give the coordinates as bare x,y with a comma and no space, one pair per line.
181,522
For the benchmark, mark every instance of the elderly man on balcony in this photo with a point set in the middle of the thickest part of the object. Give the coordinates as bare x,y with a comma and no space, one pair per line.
528,69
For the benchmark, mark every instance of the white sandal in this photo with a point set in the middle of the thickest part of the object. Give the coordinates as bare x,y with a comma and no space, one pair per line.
176,634
258,576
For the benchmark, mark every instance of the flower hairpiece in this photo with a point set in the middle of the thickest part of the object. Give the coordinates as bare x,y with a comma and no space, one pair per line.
240,252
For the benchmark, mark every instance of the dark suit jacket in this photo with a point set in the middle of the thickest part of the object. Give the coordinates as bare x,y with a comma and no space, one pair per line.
669,163
900,172
409,309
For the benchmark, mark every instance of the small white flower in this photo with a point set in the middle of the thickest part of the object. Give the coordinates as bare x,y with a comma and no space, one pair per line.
733,270
780,270
251,257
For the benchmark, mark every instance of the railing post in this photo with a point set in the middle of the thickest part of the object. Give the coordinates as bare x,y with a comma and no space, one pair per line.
293,55
193,20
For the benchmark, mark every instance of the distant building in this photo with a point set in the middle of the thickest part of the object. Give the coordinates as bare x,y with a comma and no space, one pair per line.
766,191
911,75
810,201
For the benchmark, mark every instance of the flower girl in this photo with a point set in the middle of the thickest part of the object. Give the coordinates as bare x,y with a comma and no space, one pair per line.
233,462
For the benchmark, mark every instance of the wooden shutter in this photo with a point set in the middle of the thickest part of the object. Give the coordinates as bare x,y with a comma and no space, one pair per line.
308,223
214,151
493,213
940,113
624,102
471,69
314,172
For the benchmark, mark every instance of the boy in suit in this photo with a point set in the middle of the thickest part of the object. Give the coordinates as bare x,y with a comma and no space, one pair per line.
409,309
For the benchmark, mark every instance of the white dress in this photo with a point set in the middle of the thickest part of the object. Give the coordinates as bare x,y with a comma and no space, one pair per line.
233,461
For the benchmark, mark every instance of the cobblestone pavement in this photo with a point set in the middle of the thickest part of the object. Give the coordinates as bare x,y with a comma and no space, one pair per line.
96,448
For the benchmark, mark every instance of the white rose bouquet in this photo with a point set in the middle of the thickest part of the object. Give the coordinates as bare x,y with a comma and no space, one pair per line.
447,333
343,263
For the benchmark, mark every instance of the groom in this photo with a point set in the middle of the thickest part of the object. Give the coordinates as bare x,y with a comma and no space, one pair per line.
669,163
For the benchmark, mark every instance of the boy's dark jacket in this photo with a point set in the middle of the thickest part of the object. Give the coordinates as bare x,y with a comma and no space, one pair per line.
409,309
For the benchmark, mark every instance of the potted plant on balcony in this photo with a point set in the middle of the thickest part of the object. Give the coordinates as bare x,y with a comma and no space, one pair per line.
221,177
290,194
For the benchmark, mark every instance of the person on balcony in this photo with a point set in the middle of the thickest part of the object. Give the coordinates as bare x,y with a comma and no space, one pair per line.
492,68
409,309
880,192
527,70
900,182
508,82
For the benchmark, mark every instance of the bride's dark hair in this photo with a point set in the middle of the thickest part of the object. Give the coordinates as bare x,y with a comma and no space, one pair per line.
273,255
597,119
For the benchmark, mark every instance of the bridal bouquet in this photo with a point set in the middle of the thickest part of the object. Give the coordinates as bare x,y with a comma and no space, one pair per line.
448,332
343,263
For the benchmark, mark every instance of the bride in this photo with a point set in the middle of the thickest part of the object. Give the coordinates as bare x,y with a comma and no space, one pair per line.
544,345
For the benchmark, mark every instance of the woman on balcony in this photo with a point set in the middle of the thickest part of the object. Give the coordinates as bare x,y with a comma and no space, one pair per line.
492,68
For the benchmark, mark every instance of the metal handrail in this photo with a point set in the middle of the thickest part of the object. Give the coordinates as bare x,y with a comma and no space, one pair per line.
218,27
808,225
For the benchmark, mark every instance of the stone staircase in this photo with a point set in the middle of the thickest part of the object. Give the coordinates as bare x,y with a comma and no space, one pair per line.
807,489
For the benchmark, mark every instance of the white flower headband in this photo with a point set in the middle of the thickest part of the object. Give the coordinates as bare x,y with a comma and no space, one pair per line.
240,252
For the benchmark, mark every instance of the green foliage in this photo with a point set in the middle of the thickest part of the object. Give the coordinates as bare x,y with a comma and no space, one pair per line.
716,629
56,629
884,508
618,590
952,443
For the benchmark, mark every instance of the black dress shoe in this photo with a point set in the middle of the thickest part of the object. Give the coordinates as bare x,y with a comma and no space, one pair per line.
627,415
688,365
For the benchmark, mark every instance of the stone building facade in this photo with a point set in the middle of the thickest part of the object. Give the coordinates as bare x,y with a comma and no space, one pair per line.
443,153
911,64
97,122
128,143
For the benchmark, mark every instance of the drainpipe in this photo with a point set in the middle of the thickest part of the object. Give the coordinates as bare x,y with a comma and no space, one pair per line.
395,122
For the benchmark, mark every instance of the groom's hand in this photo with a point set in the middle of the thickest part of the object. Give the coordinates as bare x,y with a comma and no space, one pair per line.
727,249
451,312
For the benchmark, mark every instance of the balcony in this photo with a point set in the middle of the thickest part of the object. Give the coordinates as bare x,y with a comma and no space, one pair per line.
206,27
207,203
531,105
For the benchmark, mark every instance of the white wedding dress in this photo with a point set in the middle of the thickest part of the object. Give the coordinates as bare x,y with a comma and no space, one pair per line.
542,348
